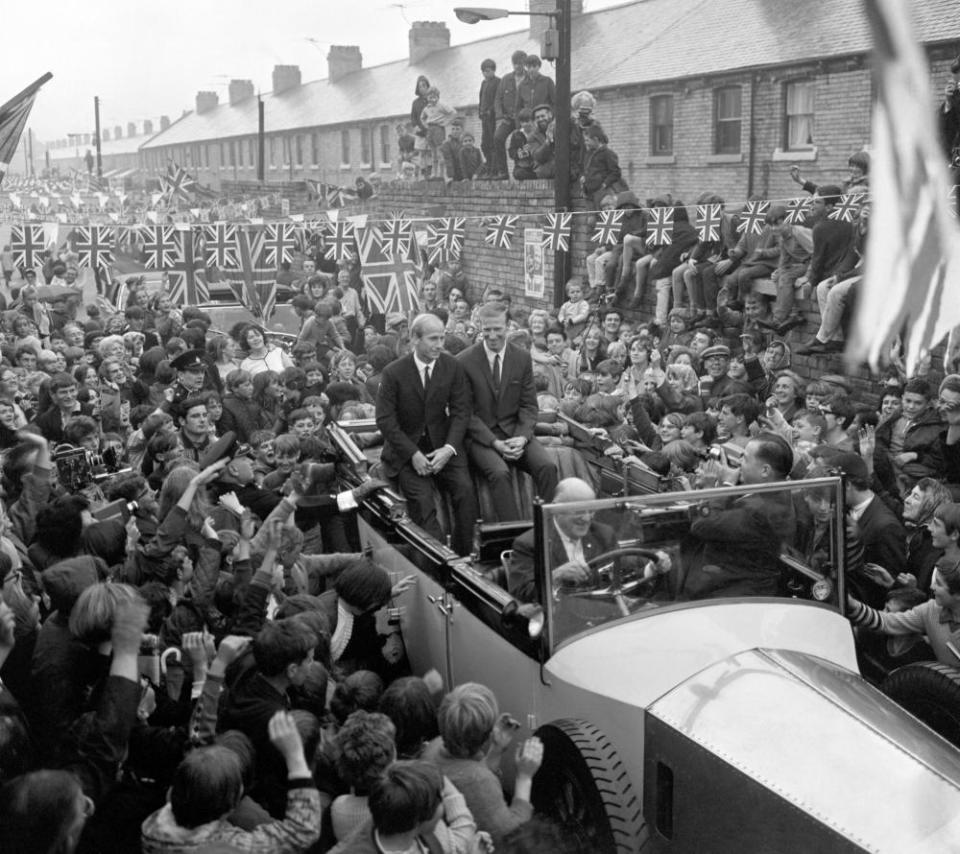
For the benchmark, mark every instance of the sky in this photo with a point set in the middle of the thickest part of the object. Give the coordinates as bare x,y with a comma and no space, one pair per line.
147,59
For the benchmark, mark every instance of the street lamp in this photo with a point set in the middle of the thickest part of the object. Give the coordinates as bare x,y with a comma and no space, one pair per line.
561,182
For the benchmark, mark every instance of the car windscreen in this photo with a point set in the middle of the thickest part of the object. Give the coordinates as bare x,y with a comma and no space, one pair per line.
598,561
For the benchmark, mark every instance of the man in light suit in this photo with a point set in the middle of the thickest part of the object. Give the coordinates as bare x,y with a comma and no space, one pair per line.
423,409
504,414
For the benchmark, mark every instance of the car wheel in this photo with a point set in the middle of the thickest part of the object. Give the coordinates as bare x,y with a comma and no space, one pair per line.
930,692
583,785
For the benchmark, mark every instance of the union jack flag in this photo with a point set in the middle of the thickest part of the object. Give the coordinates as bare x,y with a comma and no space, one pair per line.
753,217
94,245
13,119
26,241
556,235
797,211
912,272
707,222
178,183
335,197
187,285
660,227
280,239
160,246
220,241
338,239
446,238
254,280
394,236
390,282
848,208
499,230
608,227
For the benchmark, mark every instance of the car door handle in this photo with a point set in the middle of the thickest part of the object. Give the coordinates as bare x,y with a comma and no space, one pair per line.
443,606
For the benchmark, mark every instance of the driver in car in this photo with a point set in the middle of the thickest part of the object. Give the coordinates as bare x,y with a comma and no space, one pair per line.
576,540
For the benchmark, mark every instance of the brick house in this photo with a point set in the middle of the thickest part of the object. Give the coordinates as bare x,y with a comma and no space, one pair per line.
776,83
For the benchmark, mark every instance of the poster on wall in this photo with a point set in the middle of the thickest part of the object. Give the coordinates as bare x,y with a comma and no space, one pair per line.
533,262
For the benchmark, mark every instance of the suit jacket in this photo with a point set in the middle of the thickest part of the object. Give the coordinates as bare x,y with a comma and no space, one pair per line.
510,412
884,538
520,580
404,416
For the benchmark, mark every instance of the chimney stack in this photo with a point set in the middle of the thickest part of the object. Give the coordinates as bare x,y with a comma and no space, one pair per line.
240,90
147,127
207,101
106,134
117,132
164,122
131,128
342,60
427,37
285,77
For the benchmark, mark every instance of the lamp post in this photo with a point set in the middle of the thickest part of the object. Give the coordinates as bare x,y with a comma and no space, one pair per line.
561,152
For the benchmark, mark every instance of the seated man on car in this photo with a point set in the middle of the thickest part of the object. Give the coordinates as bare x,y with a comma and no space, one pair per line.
574,540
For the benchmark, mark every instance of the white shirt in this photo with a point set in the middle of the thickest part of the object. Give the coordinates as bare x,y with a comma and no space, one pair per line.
422,367
573,548
491,355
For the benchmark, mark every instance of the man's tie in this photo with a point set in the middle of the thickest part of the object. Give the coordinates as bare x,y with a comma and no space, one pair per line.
426,380
496,372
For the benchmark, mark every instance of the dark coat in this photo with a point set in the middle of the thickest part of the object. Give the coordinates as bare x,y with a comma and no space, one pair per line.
923,439
735,551
512,411
244,417
407,419
521,581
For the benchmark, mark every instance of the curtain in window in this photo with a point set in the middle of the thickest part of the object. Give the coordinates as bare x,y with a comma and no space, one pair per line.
799,115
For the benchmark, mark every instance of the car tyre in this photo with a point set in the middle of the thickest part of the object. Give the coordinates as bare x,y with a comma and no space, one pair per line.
930,692
583,785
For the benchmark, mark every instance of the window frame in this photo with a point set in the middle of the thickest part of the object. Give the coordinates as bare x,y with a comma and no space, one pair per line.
366,145
719,124
345,147
786,143
655,100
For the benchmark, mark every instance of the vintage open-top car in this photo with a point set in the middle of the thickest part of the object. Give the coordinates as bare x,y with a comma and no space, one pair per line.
670,722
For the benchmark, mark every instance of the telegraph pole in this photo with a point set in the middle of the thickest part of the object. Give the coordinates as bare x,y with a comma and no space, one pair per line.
261,141
96,137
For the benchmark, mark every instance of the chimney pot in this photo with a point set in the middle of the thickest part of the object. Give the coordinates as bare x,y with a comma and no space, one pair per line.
240,90
285,77
343,59
164,122
131,129
207,101
147,127
427,37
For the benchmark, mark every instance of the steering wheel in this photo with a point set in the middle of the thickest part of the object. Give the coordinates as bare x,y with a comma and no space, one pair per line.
619,585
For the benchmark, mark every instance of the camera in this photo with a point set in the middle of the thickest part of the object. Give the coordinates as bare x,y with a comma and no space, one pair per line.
78,468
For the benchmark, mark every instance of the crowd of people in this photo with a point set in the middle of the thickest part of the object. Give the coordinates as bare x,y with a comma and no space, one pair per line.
195,652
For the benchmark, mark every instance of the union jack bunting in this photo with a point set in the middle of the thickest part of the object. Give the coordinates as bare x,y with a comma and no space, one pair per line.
187,285
26,241
707,222
446,237
556,233
220,242
389,282
912,272
335,197
848,208
94,246
254,280
394,236
753,217
338,239
279,242
177,183
660,227
608,227
797,211
499,230
160,246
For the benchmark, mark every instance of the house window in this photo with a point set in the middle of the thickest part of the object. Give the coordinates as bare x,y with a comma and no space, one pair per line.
384,143
252,151
206,155
661,125
233,152
366,146
187,158
273,152
223,154
726,111
798,115
345,147
240,152
287,142
315,148
298,139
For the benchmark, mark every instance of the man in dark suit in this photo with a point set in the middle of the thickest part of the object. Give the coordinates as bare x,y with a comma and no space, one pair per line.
63,392
573,540
504,414
423,409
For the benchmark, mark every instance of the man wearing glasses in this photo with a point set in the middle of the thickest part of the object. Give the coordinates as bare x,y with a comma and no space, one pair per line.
948,402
